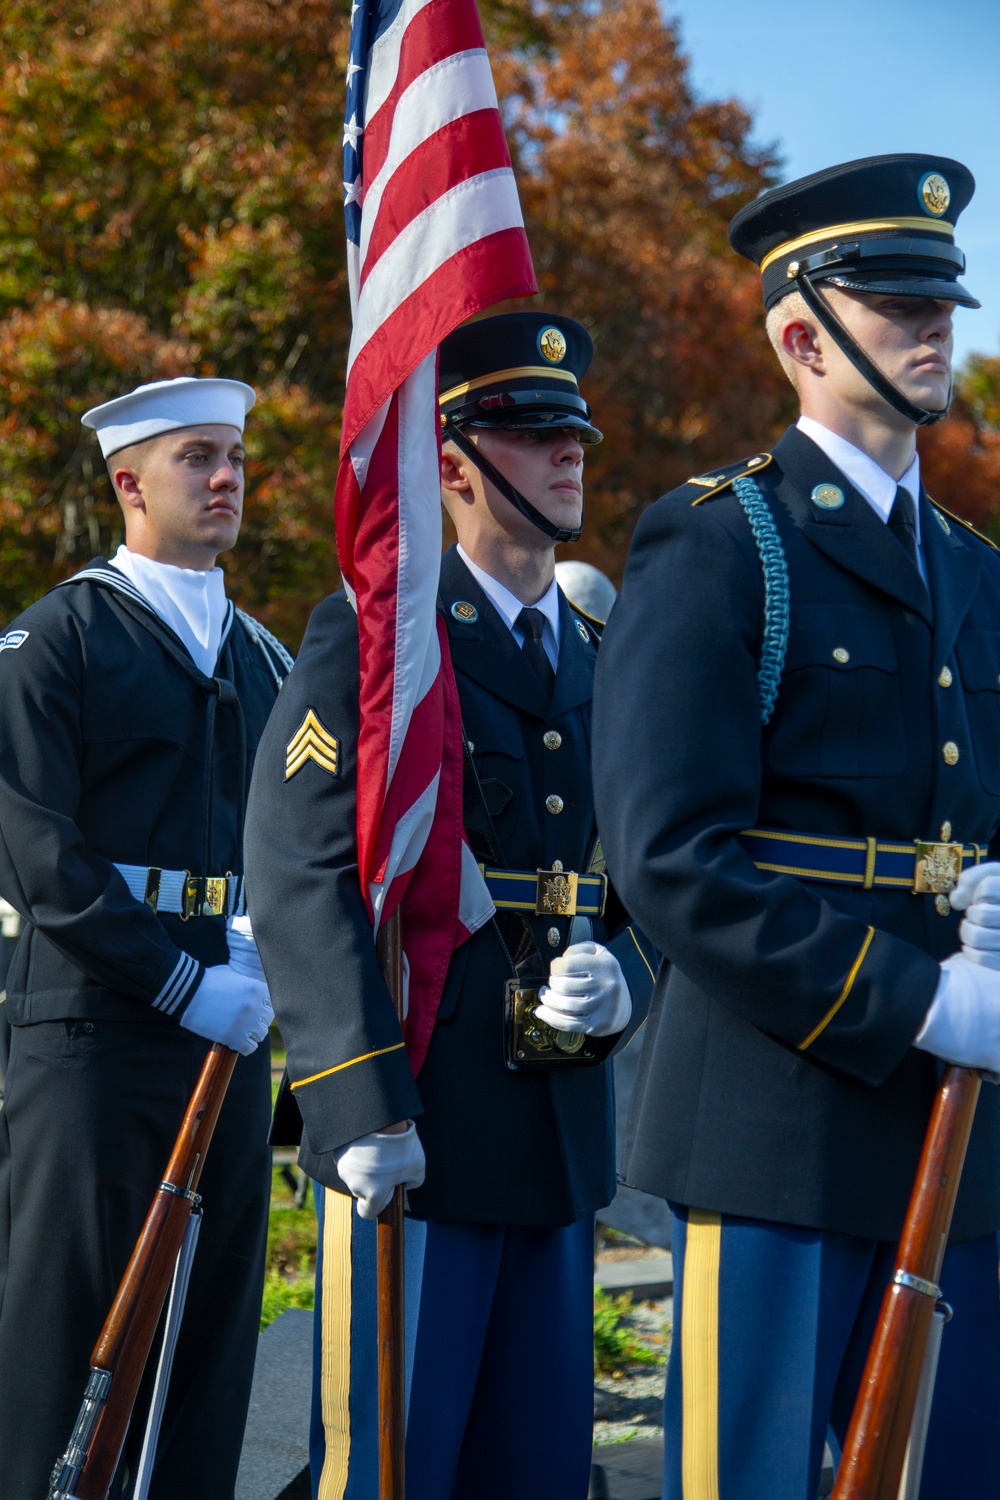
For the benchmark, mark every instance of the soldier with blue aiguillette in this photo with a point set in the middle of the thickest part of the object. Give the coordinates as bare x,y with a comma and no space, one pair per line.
512,1110
787,811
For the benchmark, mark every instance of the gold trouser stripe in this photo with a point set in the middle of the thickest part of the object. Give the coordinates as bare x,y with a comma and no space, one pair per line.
700,1357
366,1057
335,1370
848,986
866,226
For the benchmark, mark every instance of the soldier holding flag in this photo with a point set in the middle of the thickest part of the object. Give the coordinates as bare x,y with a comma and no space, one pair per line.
465,810
512,1105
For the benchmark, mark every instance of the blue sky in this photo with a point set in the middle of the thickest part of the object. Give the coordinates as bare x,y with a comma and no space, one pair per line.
830,83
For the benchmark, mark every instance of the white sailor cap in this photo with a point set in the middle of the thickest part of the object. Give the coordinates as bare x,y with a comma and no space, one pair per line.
164,405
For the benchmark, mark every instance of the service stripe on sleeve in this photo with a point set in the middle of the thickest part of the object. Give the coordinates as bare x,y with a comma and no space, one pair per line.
366,1057
700,1357
848,986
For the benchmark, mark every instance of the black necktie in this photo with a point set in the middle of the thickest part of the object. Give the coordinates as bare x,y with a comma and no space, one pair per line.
903,523
531,622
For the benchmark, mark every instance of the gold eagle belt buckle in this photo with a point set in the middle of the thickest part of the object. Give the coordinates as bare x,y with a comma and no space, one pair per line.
555,893
937,868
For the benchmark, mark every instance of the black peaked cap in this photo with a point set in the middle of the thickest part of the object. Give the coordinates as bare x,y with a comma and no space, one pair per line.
880,224
517,370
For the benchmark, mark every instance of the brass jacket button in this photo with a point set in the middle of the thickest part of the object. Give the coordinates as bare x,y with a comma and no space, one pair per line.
946,832
841,654
950,752
556,804
945,677
553,937
942,906
552,739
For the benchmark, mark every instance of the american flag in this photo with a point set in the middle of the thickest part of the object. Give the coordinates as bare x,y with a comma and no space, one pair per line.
434,235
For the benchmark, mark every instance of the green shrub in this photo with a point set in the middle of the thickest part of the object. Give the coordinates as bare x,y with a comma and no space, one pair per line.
280,1294
615,1343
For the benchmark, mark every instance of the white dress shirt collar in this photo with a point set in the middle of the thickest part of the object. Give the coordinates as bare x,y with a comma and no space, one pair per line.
508,606
878,487
191,601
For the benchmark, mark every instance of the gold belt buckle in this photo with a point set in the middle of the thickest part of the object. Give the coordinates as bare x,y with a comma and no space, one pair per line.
937,868
204,895
555,894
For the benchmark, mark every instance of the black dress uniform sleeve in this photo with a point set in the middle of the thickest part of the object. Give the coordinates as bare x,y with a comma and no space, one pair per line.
73,896
677,775
347,1061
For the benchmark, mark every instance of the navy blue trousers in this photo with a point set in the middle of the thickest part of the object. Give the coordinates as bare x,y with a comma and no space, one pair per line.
771,1331
499,1351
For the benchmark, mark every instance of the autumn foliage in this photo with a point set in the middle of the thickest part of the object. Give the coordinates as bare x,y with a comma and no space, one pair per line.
170,175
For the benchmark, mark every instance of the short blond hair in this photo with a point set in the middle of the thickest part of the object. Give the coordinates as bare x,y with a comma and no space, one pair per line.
791,309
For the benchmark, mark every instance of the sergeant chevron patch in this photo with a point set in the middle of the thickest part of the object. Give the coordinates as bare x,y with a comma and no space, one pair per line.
312,741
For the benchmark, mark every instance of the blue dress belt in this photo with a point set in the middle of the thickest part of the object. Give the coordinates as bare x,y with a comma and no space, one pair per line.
921,867
556,892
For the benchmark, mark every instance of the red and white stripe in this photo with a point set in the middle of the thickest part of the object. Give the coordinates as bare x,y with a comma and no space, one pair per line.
442,238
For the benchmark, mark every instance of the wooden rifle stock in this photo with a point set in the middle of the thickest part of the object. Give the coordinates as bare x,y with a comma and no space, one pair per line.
86,1470
389,1255
874,1453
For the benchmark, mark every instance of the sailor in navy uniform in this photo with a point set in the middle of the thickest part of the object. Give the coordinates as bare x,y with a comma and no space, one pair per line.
134,696
823,641
513,1111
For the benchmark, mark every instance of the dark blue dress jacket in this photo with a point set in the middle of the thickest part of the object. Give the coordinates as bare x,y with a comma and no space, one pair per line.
501,1147
778,1079
116,749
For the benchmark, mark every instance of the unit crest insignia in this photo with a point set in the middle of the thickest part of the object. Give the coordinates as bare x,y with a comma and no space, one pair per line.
464,611
312,741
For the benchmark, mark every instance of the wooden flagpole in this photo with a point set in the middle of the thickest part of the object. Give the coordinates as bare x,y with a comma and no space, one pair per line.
391,1308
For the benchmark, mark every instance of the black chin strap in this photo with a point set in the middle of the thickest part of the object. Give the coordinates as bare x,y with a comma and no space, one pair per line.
468,447
921,416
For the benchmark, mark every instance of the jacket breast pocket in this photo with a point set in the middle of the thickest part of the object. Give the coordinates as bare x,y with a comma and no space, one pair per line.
839,710
978,653
494,736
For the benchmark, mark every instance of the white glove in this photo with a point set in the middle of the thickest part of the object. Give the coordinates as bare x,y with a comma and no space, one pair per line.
963,1023
375,1165
978,895
231,1008
967,887
243,955
586,992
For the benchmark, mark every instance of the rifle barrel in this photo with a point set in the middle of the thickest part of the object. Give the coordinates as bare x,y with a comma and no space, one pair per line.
874,1452
123,1345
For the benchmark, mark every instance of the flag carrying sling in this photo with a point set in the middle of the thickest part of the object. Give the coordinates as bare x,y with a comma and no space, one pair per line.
434,235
